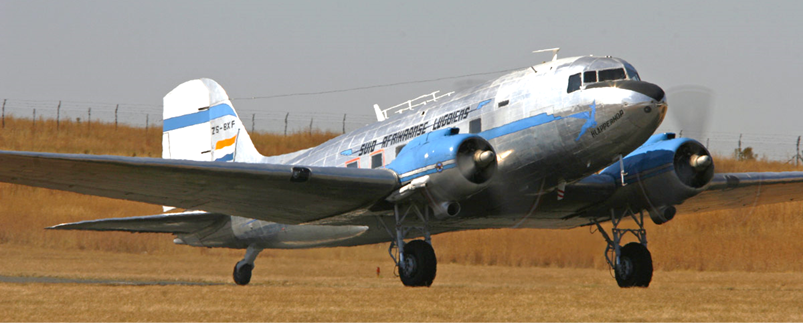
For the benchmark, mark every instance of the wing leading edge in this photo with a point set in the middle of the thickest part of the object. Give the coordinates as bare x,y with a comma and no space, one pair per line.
280,193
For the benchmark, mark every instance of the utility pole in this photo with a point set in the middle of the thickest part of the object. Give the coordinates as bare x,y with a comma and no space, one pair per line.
147,122
798,158
115,116
89,118
285,123
739,152
706,143
4,113
34,118
58,116
253,116
344,123
310,125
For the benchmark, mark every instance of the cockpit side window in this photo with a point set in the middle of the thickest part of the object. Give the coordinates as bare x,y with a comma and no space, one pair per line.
612,74
574,83
631,73
590,77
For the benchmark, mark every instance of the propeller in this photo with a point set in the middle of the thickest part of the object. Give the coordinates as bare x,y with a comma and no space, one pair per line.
476,160
690,107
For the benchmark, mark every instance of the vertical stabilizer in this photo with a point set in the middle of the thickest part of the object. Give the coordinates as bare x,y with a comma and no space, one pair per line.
200,124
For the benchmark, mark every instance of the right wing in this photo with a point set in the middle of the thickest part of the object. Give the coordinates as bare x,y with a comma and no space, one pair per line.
278,193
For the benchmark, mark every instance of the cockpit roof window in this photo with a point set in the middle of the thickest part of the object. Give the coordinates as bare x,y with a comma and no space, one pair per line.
612,74
574,83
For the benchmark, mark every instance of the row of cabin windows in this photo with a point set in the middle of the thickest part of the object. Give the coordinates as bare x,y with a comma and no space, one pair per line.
474,126
376,162
612,74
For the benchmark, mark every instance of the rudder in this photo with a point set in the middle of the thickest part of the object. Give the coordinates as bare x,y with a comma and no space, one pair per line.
200,124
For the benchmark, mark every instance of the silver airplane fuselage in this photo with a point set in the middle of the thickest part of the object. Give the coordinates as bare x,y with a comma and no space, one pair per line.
550,124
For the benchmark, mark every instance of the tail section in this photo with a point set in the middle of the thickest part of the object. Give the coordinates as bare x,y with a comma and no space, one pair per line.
201,124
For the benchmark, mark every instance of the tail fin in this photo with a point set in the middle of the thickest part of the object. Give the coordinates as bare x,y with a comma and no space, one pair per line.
201,124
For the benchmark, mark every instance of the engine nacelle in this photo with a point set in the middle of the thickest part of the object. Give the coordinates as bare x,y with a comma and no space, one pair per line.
458,166
663,172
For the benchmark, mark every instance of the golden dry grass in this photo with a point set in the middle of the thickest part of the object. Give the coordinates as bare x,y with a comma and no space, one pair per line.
297,289
766,238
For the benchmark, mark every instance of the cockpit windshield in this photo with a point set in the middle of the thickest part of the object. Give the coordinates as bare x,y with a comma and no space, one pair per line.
611,74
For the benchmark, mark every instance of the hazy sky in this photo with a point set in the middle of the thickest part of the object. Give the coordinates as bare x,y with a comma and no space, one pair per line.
748,53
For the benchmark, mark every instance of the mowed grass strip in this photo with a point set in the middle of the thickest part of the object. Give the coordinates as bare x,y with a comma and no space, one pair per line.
765,238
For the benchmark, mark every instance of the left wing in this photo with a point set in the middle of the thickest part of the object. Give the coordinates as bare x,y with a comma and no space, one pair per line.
735,190
279,193
176,223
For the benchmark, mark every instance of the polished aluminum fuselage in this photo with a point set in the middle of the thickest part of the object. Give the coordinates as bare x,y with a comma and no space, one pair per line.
544,135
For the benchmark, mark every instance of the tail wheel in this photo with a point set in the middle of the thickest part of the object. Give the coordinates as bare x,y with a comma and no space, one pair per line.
634,268
242,274
419,265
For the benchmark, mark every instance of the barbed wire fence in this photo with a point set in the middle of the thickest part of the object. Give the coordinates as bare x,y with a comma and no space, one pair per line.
778,147
143,115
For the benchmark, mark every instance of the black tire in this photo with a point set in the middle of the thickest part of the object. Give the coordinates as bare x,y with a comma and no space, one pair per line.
243,276
422,264
635,266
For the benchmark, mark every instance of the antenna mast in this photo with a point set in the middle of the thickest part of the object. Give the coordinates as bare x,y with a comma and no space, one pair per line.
553,50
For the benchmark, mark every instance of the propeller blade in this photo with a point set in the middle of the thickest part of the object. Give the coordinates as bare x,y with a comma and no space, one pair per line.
690,108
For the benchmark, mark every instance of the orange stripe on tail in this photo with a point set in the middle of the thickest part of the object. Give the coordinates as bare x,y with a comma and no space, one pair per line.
225,142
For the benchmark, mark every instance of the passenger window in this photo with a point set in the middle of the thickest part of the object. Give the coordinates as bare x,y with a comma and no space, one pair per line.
612,74
353,165
574,83
590,77
376,160
475,126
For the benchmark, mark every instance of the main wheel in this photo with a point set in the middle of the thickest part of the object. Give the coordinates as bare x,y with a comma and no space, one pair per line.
635,266
242,275
420,264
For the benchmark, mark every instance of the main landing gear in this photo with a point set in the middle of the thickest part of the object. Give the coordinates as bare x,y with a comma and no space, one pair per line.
415,260
632,264
242,270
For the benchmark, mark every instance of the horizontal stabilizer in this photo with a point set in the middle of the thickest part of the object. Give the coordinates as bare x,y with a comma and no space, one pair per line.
177,223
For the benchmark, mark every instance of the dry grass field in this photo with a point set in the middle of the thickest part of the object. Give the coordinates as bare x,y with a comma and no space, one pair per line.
742,265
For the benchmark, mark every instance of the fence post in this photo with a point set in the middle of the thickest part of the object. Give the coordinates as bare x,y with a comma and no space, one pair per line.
285,123
253,116
115,116
58,116
4,113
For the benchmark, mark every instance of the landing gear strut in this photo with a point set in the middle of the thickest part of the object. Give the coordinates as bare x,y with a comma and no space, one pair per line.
415,260
242,270
632,264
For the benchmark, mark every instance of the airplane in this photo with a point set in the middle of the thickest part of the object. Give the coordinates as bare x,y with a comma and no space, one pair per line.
567,143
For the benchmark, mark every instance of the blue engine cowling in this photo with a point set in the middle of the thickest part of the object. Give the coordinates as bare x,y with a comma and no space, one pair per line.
458,166
663,172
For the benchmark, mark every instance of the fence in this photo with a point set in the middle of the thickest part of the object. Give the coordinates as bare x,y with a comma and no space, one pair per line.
144,115
771,146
